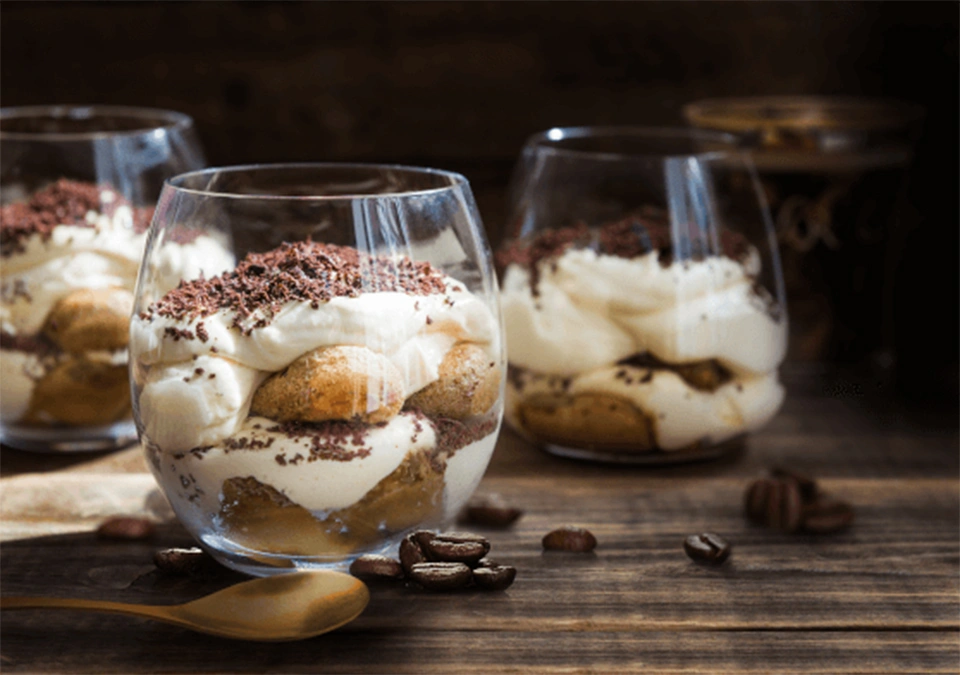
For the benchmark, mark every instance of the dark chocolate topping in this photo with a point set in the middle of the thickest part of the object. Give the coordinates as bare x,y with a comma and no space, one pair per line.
65,202
303,271
631,237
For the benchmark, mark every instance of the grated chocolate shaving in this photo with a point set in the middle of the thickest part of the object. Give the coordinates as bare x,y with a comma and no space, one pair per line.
65,202
303,271
631,237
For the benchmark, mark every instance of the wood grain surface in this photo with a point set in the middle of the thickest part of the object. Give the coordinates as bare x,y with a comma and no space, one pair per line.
883,596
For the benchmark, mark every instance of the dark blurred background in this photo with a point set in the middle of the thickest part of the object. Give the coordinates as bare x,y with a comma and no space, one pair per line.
459,85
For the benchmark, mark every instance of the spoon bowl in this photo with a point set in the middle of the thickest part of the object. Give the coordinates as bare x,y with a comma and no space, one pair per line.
280,608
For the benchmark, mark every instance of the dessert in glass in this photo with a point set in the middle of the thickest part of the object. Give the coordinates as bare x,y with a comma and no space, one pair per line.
77,188
341,384
642,298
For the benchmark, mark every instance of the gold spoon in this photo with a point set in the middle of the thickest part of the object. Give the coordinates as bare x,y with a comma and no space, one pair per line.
278,608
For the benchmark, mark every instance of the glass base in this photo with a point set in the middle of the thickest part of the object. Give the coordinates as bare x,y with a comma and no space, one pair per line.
69,439
260,564
620,455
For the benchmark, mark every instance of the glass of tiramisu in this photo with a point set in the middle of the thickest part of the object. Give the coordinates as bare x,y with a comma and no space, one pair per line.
77,189
341,383
642,296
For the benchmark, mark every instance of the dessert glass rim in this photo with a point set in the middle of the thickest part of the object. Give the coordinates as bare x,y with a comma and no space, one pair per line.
546,141
454,181
153,119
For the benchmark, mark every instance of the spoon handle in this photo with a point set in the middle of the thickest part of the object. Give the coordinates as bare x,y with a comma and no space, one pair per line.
22,602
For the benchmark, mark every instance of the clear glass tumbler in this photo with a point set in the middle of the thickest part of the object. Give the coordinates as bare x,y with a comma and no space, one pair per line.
77,188
340,382
642,296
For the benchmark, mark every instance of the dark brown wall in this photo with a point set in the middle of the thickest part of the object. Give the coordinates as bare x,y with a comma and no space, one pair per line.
460,85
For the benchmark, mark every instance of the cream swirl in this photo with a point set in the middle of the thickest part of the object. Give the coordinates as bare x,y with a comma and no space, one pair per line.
592,310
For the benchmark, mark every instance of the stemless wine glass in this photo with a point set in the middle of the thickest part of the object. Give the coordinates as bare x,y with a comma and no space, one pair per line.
340,383
77,187
642,296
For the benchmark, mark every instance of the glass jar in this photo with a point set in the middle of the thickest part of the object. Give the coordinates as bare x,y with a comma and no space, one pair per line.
339,383
642,296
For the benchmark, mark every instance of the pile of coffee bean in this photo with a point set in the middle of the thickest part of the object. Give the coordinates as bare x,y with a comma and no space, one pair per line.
439,561
792,502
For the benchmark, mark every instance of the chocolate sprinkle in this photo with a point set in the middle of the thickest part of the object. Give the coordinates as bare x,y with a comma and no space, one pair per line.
328,439
303,271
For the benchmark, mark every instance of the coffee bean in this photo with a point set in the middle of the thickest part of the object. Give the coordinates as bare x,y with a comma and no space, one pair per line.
457,547
570,538
411,553
373,567
494,578
706,548
827,515
423,537
191,561
490,511
808,486
774,502
126,528
441,576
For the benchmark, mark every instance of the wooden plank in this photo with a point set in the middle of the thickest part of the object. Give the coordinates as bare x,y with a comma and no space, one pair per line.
896,568
114,645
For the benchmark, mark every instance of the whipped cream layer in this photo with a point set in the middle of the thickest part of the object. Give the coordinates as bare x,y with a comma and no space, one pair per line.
318,484
33,280
681,414
593,310
182,410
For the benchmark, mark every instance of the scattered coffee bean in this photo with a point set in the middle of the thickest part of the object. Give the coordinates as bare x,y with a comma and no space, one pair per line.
411,553
457,547
775,502
373,567
441,576
190,561
827,515
494,578
126,528
706,548
490,511
570,538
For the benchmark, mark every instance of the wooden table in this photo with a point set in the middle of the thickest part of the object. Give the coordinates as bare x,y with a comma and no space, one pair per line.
880,597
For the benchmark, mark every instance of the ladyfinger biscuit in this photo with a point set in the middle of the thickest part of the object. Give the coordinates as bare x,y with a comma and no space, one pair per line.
80,392
587,420
91,319
332,383
469,385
